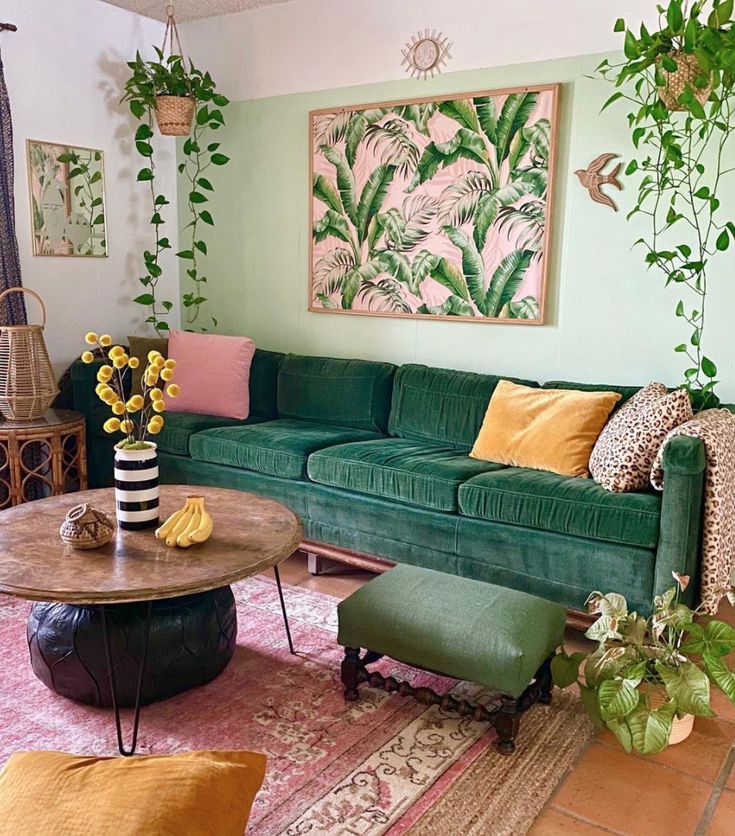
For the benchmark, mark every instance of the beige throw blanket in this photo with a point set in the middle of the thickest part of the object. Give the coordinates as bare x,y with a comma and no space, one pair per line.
716,428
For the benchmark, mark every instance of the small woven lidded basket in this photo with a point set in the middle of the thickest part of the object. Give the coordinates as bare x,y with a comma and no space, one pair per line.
27,383
174,115
677,81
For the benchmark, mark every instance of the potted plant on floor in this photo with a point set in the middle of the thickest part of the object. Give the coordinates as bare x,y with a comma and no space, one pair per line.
649,677
137,417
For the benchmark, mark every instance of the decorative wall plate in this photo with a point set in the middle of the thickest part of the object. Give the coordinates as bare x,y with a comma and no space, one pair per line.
426,53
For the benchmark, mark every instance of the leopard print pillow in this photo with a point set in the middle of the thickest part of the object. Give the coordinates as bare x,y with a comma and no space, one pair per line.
623,455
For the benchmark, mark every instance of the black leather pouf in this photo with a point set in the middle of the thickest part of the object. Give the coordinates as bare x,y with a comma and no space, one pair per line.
192,639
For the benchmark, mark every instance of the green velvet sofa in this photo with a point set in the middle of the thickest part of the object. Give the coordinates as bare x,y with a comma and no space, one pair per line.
374,459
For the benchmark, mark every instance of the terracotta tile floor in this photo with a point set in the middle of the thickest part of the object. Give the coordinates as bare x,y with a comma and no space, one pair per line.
688,790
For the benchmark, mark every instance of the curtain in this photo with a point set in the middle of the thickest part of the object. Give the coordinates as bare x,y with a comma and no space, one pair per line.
12,309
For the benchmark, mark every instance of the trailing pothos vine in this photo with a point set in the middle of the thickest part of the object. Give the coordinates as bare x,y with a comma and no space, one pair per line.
683,147
170,76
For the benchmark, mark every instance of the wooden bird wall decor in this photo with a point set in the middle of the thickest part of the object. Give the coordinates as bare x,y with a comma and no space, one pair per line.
593,179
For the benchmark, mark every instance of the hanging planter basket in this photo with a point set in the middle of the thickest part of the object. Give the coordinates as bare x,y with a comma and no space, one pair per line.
27,382
677,81
175,115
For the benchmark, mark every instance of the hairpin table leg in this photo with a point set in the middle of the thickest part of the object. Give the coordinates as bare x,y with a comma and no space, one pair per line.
283,610
113,686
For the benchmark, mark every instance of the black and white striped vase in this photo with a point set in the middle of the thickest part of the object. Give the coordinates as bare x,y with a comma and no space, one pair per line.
136,488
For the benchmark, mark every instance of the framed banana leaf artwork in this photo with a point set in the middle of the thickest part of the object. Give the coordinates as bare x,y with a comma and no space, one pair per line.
67,195
434,208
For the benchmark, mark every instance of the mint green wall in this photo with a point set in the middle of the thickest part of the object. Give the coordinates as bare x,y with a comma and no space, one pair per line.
607,319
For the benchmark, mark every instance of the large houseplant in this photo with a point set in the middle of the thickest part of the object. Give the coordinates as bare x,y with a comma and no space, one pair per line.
678,82
648,676
173,76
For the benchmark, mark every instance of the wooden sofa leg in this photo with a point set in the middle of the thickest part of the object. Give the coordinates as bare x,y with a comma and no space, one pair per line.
314,563
507,722
545,681
351,665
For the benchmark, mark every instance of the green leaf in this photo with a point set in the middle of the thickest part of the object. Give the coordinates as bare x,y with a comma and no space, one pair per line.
213,146
372,197
619,25
145,174
186,254
617,698
588,696
203,183
399,267
721,675
465,143
137,108
206,217
721,15
350,286
201,246
614,98
462,111
486,214
144,132
505,281
144,149
650,730
98,219
451,306
619,727
354,136
675,17
565,669
708,367
472,265
220,159
145,299
96,177
516,111
716,638
197,197
331,224
723,240
486,115
345,181
688,686
448,274
324,190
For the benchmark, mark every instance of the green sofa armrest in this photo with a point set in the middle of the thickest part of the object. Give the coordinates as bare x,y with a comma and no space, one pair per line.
679,546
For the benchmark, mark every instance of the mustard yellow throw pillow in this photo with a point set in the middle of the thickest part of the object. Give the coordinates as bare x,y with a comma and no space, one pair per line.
545,429
194,793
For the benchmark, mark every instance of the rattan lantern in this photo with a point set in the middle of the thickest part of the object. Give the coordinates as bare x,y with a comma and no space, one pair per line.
677,81
174,114
27,383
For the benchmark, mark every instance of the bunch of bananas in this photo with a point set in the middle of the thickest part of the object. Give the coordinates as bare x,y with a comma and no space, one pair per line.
191,524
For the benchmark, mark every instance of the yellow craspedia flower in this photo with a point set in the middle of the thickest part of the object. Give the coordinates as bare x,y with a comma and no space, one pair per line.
100,388
111,425
127,426
109,396
90,338
173,390
105,340
157,419
104,373
152,355
167,374
170,364
133,362
87,357
135,403
115,351
154,428
120,361
156,394
158,406
118,408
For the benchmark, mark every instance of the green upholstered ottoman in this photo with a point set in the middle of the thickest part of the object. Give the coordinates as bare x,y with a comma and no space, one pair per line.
463,628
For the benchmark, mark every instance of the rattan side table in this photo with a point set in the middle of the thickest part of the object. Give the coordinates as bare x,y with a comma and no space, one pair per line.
43,457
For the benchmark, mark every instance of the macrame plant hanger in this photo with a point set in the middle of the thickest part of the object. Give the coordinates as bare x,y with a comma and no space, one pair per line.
174,114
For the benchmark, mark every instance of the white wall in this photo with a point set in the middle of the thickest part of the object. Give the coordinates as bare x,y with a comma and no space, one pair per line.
309,45
64,68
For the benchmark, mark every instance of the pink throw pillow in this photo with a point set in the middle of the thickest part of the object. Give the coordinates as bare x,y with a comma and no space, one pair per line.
213,373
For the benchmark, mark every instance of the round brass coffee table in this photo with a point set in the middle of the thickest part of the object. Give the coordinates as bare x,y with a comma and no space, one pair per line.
136,587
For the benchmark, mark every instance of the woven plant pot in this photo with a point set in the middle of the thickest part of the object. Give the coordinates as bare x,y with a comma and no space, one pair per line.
681,727
676,82
174,115
27,382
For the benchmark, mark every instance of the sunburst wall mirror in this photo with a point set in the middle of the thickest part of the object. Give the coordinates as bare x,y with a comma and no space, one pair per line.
426,53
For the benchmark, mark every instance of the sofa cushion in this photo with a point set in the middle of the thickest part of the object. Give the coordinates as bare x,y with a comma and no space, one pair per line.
348,393
264,383
279,448
441,406
397,468
563,504
626,392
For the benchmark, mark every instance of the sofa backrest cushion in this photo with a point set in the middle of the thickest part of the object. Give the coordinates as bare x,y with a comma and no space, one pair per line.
627,392
264,383
442,406
349,393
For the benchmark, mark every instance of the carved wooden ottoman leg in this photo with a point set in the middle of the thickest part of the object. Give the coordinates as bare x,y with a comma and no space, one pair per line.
545,681
351,665
506,723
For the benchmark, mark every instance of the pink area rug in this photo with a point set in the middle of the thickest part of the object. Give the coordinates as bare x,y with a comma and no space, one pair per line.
333,768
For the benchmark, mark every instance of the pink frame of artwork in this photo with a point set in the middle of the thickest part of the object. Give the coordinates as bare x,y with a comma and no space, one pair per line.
405,195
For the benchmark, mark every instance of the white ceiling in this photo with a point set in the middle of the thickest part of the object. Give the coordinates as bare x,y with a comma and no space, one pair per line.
191,9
